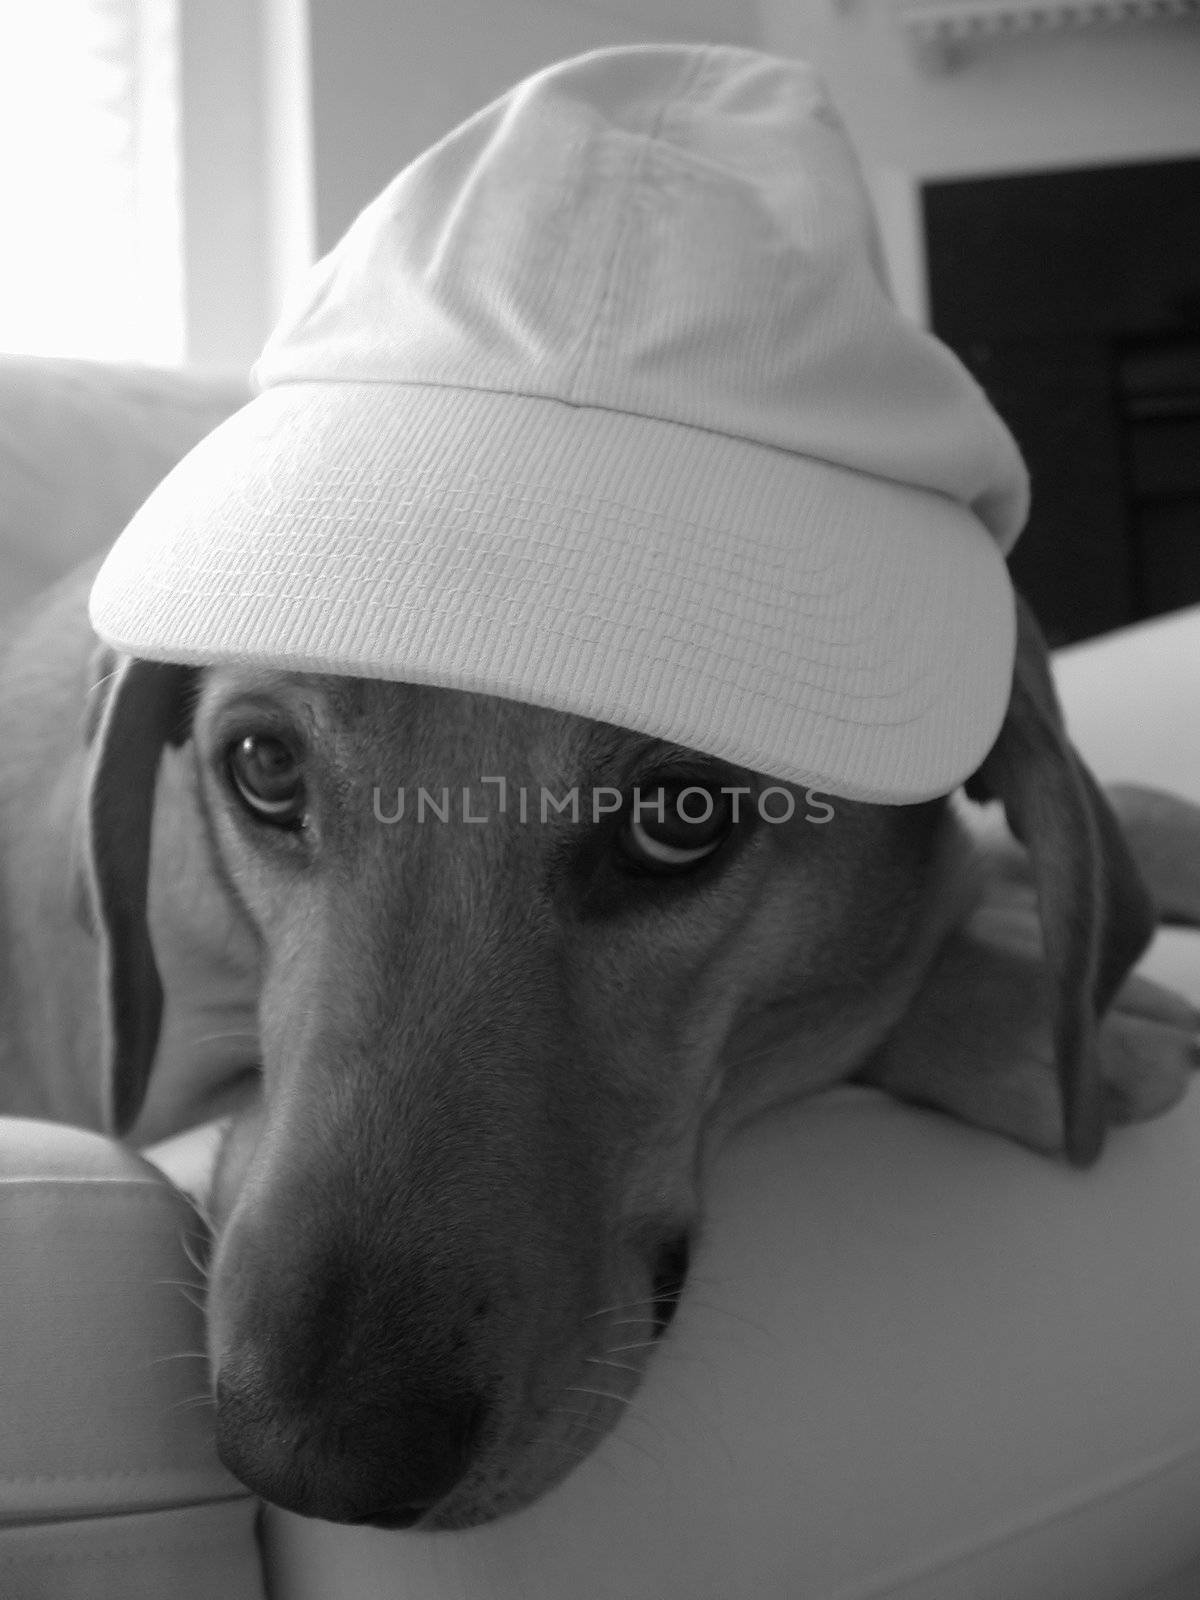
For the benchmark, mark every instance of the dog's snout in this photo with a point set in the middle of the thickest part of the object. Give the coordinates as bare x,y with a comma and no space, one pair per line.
670,1274
385,1465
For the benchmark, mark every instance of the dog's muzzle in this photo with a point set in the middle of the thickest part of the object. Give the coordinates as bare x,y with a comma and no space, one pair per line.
388,1470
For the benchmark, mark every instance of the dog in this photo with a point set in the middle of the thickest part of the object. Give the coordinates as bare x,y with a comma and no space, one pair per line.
472,1073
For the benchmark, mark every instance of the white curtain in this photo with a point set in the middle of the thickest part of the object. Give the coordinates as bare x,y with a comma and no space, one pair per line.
90,229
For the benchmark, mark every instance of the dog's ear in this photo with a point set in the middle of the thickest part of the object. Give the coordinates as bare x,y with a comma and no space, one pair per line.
1095,913
101,675
137,708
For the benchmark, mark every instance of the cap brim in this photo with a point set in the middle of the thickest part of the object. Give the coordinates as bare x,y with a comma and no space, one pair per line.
817,625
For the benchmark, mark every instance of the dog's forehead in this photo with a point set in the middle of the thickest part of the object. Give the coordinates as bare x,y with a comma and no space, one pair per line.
425,720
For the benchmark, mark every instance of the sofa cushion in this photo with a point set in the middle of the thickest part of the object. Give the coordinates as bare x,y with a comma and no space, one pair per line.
81,445
110,1487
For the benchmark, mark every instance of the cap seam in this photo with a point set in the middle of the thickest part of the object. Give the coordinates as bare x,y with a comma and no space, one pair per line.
648,416
594,337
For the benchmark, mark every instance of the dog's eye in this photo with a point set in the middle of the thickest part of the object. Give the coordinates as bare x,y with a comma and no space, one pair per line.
267,777
676,826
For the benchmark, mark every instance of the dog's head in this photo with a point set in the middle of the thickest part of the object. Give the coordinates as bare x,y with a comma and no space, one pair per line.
511,965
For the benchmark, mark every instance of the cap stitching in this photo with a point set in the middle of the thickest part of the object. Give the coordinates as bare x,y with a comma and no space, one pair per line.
933,490
595,335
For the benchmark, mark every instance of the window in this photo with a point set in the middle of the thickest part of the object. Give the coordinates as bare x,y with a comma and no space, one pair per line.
90,230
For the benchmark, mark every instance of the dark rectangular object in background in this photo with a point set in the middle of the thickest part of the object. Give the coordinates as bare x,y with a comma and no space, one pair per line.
1074,297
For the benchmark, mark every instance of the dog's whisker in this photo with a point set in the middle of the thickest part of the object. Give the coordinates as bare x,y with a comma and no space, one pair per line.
195,1294
600,1394
738,1316
179,1355
193,1402
632,1305
658,1425
584,1422
623,1366
580,1454
602,1432
200,1288
621,1305
594,1426
668,1354
622,1438
194,1260
677,1297
650,1300
232,1033
201,1209
189,1249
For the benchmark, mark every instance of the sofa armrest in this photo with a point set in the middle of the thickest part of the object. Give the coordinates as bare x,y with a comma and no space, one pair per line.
82,443
110,1488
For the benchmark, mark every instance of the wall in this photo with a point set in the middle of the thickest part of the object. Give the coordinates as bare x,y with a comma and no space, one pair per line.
388,79
295,113
390,76
1113,95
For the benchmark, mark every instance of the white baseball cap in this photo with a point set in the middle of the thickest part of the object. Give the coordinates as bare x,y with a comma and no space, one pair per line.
603,405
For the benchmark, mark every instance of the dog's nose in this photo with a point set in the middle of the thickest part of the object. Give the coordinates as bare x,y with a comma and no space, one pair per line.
394,1517
385,1466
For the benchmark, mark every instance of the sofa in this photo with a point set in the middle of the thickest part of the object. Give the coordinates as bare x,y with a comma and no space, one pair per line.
915,1362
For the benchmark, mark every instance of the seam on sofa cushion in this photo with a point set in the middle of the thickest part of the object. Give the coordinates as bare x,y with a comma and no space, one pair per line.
85,1519
196,1551
88,1180
1066,1506
135,1473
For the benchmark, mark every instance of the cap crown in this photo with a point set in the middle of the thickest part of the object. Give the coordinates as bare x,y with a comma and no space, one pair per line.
674,232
